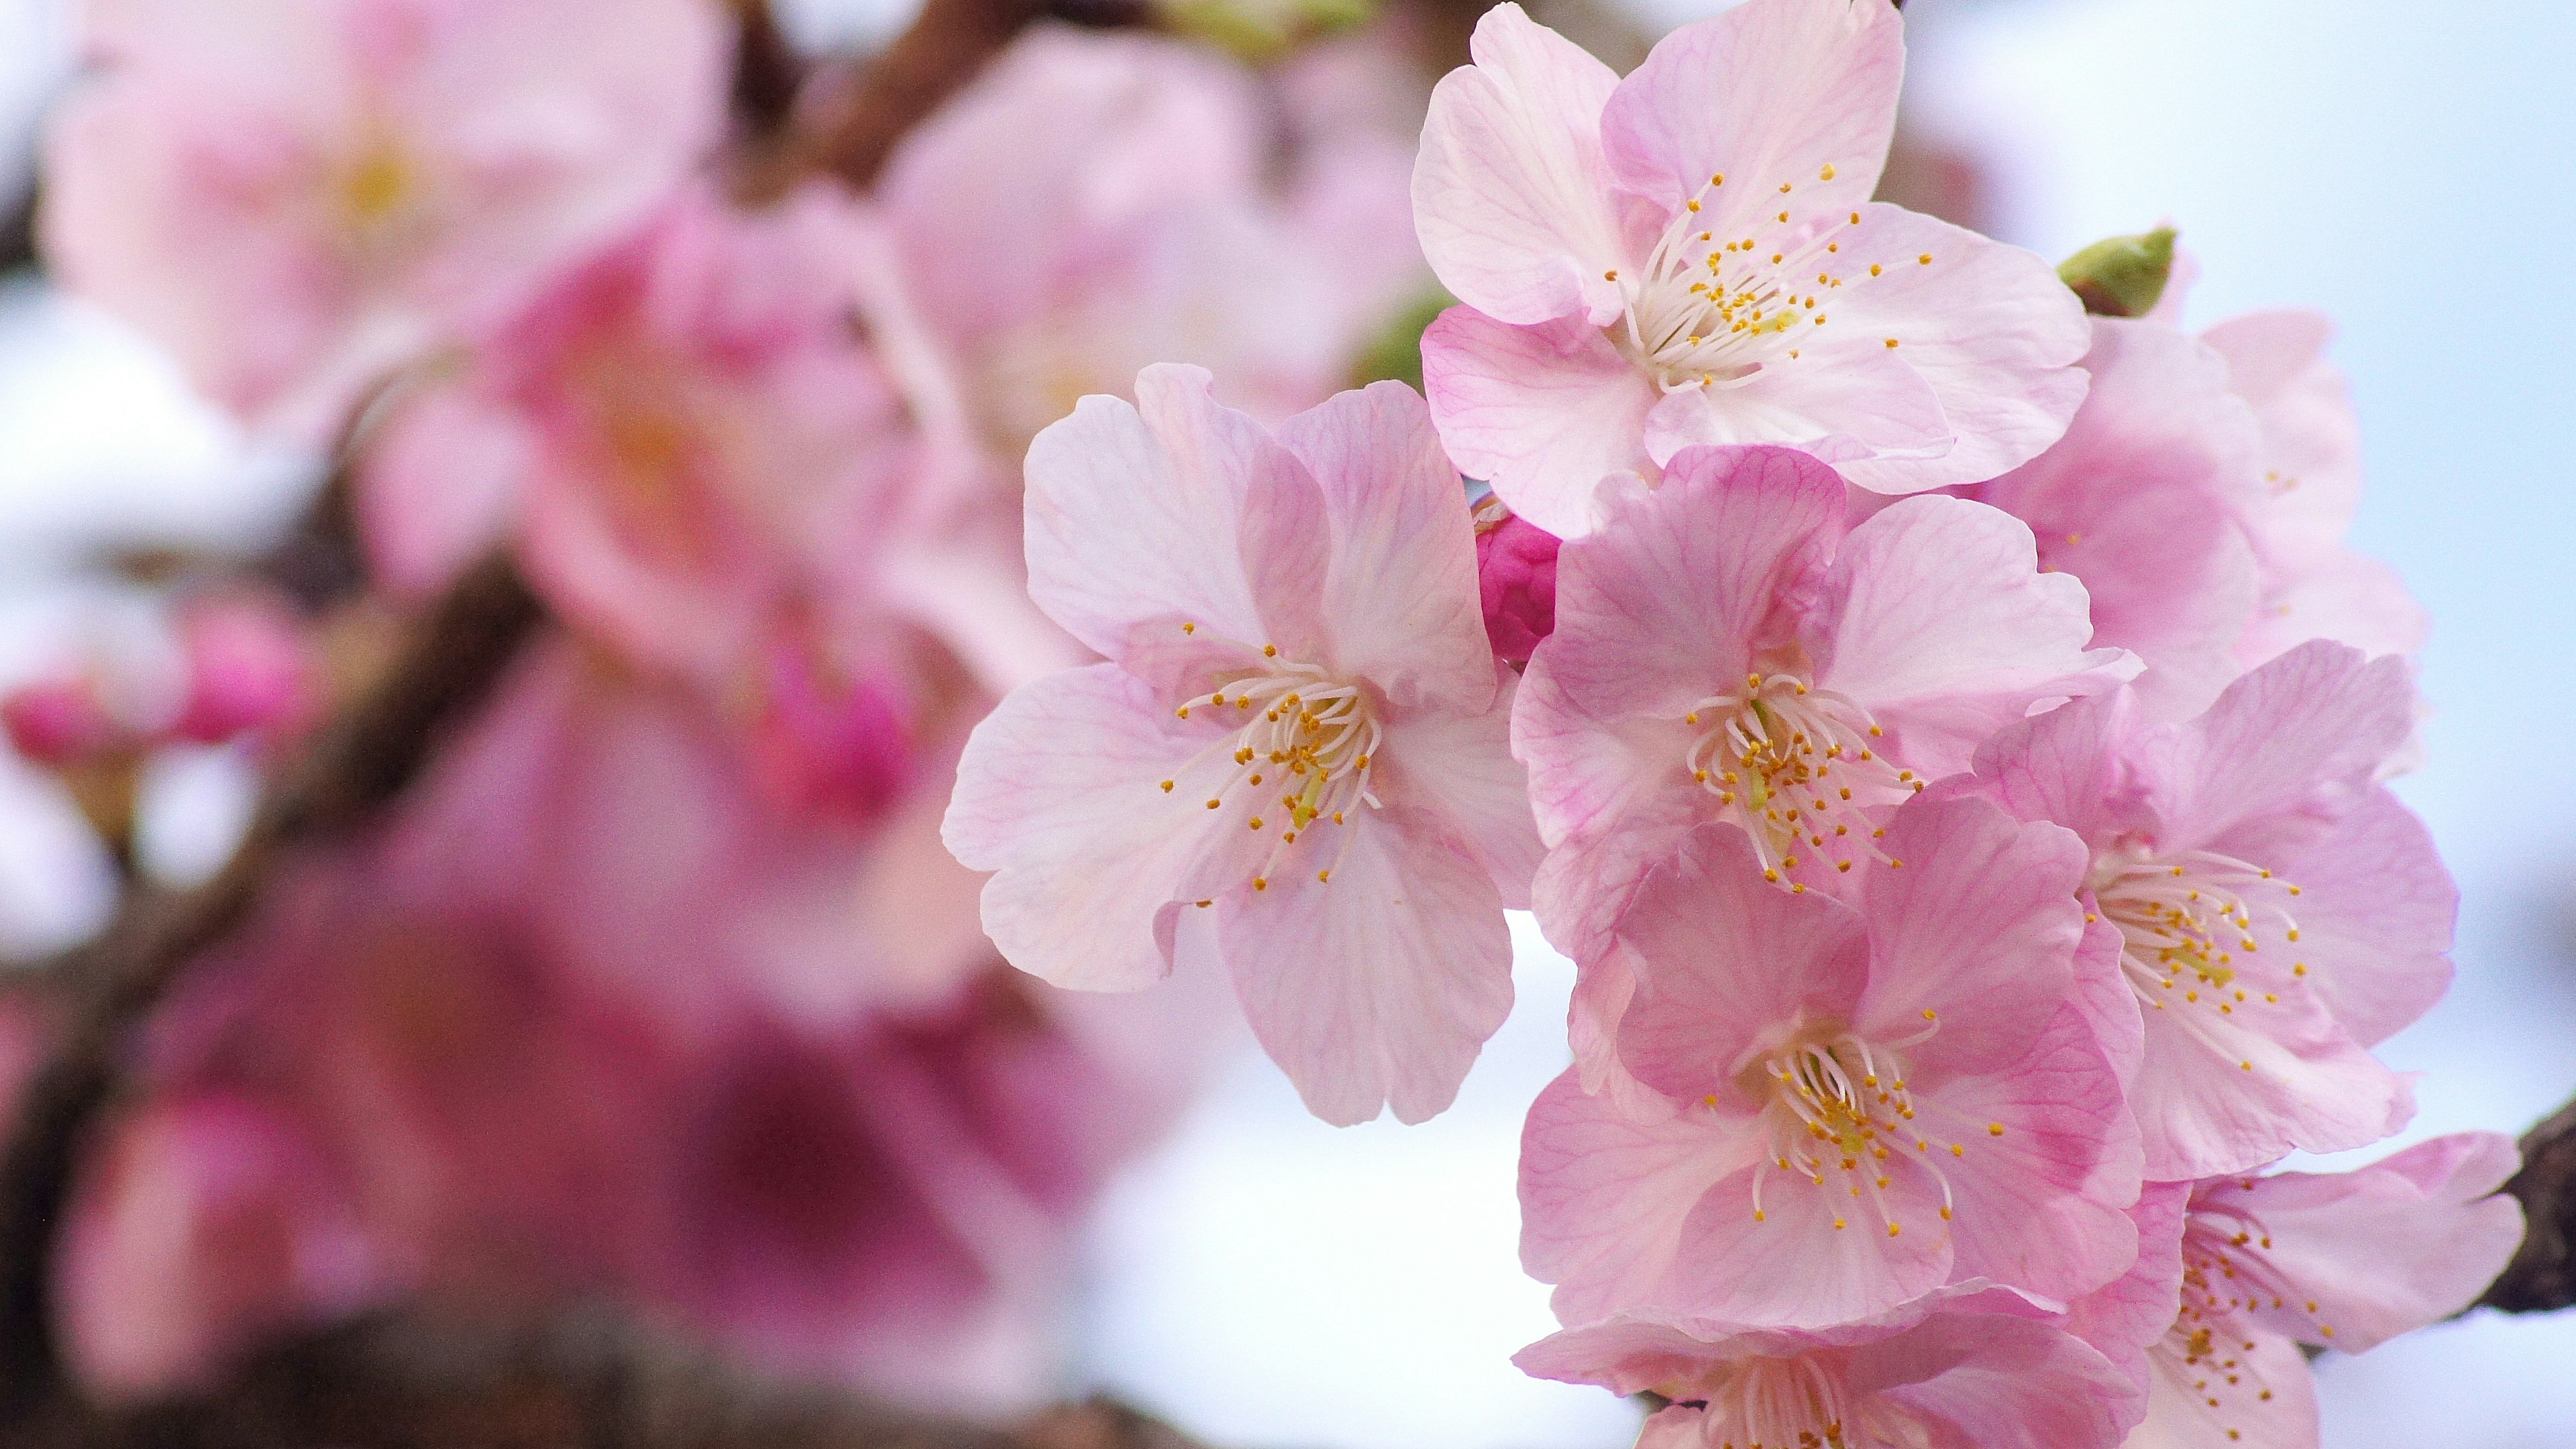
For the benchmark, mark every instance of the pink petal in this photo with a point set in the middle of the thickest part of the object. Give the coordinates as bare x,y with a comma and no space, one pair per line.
2216,1094
2384,1249
1543,412
1725,961
2068,766
1458,767
2001,1383
1841,404
2041,1206
2135,1310
1936,618
1511,198
1979,925
1815,1257
1774,91
1172,510
2316,716
1604,1196
2375,910
1401,595
1377,988
1988,327
1060,792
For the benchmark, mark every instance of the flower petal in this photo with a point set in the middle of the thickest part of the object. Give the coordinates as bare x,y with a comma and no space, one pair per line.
1843,405
1603,1197
1511,198
1378,987
1543,412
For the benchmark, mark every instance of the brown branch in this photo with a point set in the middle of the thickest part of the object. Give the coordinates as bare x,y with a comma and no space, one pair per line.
851,123
2542,1275
349,769
414,1383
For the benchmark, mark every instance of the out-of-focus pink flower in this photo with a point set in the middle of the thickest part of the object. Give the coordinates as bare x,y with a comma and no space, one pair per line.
1728,648
1516,576
2330,1260
295,195
698,445
60,721
1162,242
1867,1101
1690,256
205,1222
2314,587
1944,1371
250,671
2142,501
823,741
2278,912
1302,734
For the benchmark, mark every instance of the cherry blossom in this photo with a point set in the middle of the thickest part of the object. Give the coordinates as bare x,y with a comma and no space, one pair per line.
1872,1100
1947,1370
1728,648
293,196
1295,761
2328,1260
2278,911
1690,256
2142,500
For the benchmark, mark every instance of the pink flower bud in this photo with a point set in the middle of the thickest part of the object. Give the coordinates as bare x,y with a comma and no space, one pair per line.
828,744
1516,573
61,722
248,671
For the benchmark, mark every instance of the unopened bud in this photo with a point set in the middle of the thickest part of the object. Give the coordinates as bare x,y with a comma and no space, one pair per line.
248,672
1260,30
62,722
1516,574
2121,276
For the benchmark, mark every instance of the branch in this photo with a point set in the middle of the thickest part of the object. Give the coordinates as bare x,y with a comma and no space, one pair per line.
403,1382
2542,1275
351,768
850,132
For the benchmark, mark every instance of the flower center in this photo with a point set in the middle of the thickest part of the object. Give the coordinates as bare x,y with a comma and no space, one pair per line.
1839,1109
1302,733
1774,1403
2188,919
1799,767
2224,1278
1710,310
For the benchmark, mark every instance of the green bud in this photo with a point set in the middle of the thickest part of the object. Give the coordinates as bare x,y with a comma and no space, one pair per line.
1396,351
1263,30
2122,276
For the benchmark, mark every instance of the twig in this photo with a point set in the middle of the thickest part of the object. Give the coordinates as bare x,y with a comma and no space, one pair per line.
2542,1275
586,1382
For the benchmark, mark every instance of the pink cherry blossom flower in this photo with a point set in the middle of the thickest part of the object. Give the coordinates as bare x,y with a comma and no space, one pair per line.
1163,240
1872,1100
2142,502
2278,911
208,1221
2329,1260
1728,648
1516,576
1690,255
1295,761
294,196
693,441
2314,586
1944,1370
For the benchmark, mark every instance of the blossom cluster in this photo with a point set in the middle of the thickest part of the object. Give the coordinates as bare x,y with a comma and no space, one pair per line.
1944,726
659,985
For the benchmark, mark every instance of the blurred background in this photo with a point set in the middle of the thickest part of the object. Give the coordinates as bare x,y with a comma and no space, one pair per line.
1263,1279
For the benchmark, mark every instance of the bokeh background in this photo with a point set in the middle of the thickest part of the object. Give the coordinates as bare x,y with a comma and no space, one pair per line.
1266,1280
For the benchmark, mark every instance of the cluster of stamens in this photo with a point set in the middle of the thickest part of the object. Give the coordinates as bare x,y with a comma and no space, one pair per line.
1297,730
1800,767
1708,311
2224,1279
2188,920
1772,1403
1839,1112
